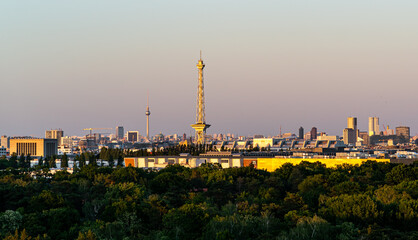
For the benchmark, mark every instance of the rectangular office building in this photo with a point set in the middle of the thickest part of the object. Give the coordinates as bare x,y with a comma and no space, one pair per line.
39,147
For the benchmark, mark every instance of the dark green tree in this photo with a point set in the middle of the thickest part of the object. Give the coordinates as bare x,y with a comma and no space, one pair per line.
52,163
92,160
64,161
111,161
81,161
41,162
120,161
401,173
27,161
13,160
22,161
187,222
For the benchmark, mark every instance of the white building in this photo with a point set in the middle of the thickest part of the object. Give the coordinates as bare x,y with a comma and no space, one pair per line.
64,149
67,141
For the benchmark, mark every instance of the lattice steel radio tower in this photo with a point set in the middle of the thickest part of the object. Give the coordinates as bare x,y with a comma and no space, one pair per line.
200,126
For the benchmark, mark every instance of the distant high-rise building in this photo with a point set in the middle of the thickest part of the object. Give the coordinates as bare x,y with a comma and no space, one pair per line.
54,134
403,131
314,133
371,126
374,126
97,137
5,142
119,132
301,133
349,136
352,123
132,136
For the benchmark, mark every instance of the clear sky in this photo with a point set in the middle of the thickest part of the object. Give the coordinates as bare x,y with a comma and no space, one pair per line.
79,64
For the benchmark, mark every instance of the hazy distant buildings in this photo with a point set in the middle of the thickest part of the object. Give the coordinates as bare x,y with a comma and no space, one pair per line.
54,134
314,133
119,132
349,136
403,131
39,147
387,140
132,136
301,133
374,126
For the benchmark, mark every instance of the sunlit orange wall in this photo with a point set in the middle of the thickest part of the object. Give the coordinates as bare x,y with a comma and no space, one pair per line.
129,162
271,164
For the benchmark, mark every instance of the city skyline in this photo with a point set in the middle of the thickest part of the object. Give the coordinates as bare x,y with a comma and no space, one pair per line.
74,66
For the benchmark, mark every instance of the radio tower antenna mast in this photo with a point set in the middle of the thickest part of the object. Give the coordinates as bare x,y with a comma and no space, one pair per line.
200,126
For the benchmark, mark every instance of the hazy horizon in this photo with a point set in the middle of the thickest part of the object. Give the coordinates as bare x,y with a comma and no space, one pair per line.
90,64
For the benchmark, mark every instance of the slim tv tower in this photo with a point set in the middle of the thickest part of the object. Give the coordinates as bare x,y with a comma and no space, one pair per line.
200,126
147,113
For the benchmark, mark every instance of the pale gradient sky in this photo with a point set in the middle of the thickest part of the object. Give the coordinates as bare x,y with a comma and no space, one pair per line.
79,64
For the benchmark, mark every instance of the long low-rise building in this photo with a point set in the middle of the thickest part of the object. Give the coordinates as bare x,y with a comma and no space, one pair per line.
229,161
277,144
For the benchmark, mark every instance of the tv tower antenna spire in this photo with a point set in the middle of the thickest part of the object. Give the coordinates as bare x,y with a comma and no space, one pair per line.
147,113
200,126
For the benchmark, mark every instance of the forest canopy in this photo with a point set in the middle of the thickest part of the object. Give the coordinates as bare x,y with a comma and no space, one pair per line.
305,201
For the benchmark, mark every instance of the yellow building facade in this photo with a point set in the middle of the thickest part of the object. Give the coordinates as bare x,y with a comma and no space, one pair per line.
39,147
271,164
266,163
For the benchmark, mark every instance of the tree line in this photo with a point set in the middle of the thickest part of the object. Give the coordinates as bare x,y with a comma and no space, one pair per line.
305,201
